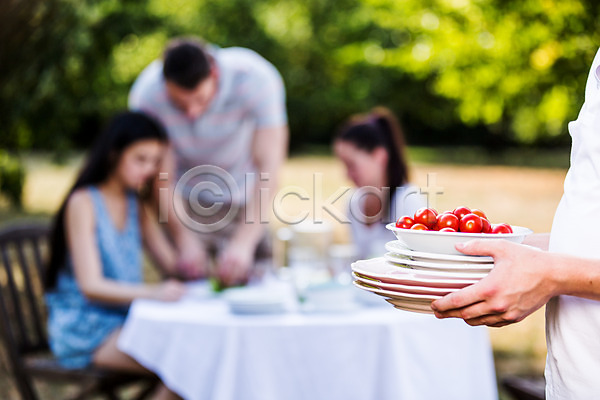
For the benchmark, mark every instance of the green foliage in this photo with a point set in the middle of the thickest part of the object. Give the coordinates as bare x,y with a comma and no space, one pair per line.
55,81
514,66
457,71
12,177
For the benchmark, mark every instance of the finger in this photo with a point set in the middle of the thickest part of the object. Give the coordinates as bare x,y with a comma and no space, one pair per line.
241,274
478,247
193,273
223,274
500,324
477,310
458,300
489,320
225,270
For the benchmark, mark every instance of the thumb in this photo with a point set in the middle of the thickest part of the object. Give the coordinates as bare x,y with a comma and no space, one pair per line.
479,247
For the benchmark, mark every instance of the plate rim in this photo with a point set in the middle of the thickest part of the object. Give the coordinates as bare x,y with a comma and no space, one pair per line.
389,293
410,275
356,276
410,308
442,274
389,246
389,256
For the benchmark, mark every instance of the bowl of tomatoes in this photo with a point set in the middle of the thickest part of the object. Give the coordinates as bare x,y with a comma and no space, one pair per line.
433,232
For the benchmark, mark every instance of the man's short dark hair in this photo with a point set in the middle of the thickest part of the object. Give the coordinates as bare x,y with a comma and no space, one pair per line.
186,62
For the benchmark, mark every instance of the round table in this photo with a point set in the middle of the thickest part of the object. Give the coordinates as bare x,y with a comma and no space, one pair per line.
203,351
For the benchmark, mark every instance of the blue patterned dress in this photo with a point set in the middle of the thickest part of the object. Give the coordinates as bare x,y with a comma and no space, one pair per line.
76,325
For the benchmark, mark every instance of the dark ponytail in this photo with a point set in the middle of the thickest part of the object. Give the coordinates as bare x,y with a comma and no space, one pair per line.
379,128
123,130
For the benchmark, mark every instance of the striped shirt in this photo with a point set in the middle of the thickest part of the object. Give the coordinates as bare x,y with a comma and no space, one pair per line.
250,96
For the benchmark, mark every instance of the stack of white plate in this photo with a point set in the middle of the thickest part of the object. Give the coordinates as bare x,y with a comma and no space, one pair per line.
422,266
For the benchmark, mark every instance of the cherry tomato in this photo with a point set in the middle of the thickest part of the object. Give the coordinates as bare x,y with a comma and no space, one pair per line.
471,223
405,222
479,212
419,227
501,228
461,211
426,216
487,227
447,221
447,229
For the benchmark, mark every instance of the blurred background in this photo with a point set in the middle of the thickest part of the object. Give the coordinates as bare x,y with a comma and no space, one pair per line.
483,88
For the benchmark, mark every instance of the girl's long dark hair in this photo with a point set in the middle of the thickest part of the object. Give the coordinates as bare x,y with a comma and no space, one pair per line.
379,128
122,131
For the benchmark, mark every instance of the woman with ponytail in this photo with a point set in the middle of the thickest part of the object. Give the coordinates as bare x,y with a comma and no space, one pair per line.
372,147
95,268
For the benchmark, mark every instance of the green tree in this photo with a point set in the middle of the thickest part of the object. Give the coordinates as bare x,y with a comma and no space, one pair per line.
55,84
457,71
517,67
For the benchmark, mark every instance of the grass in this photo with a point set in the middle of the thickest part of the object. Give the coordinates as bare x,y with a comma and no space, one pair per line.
525,196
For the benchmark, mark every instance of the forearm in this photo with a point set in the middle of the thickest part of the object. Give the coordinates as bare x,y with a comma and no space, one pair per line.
181,235
117,293
254,223
269,150
575,276
164,256
162,252
257,216
178,232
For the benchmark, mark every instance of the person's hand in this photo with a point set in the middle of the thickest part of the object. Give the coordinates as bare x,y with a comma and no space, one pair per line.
170,290
518,285
234,263
192,263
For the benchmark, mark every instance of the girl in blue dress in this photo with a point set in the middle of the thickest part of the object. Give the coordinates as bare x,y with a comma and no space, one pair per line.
95,269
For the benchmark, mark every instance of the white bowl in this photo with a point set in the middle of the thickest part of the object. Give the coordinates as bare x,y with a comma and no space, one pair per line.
246,300
444,242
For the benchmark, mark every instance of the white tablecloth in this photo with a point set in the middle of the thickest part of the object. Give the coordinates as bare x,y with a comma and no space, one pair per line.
204,352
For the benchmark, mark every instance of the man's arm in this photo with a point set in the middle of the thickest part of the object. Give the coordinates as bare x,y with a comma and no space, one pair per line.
269,151
522,281
192,261
156,243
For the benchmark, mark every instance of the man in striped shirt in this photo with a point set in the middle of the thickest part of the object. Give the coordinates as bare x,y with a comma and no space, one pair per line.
224,109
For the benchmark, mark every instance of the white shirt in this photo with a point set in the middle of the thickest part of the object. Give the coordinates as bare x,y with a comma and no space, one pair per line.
370,240
572,323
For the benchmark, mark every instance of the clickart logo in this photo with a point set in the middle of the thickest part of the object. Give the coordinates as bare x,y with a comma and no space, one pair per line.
218,184
207,199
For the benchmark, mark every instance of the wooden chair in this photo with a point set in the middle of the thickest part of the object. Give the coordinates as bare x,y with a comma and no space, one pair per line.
525,388
23,327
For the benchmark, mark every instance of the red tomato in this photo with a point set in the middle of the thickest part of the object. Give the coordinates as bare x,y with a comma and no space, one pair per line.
471,223
405,222
501,228
461,211
447,221
487,227
479,212
447,229
426,216
419,227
